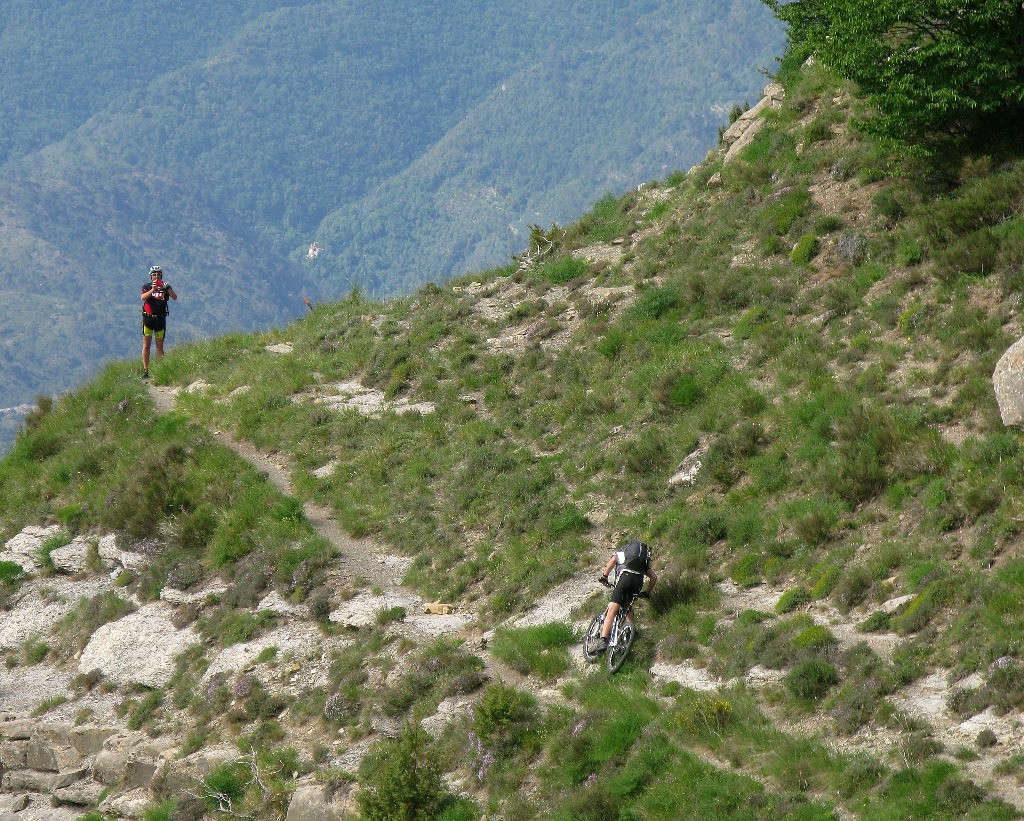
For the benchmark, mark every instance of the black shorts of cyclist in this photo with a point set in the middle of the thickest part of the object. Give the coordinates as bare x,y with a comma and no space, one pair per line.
153,324
628,585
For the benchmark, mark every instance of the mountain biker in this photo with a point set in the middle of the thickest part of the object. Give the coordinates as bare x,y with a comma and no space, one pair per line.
155,294
631,563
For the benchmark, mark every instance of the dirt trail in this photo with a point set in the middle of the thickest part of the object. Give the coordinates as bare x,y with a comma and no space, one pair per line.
359,556
366,558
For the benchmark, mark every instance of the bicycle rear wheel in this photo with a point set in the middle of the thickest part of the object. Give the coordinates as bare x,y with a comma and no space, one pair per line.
593,634
617,651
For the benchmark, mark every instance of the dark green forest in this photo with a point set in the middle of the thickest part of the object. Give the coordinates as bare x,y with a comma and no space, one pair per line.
412,142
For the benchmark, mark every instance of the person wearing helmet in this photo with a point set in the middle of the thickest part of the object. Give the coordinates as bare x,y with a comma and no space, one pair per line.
631,563
155,294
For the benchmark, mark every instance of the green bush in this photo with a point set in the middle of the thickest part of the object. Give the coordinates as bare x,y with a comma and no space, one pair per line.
399,780
791,600
11,573
825,582
805,249
811,679
562,270
504,717
654,303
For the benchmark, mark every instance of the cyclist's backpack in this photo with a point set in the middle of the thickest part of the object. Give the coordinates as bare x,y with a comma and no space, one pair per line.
636,556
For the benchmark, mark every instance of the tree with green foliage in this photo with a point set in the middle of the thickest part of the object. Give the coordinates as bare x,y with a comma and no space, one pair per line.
930,67
399,782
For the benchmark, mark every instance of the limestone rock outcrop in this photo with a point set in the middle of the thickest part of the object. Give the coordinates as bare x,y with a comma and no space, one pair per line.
139,648
742,132
1008,383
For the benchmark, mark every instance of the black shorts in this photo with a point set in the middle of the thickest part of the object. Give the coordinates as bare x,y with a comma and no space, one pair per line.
628,585
153,324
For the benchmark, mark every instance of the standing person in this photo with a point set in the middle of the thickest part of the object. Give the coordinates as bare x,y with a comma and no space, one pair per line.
630,564
155,294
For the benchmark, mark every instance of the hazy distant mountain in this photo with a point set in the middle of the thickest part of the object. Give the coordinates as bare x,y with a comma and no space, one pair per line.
410,140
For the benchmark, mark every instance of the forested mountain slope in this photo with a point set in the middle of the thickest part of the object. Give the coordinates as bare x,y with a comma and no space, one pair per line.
222,150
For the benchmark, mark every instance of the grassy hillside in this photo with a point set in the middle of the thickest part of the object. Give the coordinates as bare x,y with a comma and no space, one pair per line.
816,322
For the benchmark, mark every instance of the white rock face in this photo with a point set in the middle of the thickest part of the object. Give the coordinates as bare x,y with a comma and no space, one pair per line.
297,640
364,608
693,677
35,614
109,552
1008,383
686,473
24,548
139,648
71,558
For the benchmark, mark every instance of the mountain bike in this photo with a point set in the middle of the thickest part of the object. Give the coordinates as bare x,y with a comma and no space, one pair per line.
620,639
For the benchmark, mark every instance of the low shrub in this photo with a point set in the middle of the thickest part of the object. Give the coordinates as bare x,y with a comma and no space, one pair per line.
703,714
791,600
504,717
805,250
812,679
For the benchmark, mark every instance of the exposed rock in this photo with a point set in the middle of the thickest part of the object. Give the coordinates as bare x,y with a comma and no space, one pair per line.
368,401
759,677
1008,383
41,812
324,471
47,757
24,548
34,615
86,793
14,755
25,688
559,602
139,648
175,596
446,712
693,677
892,605
439,625
742,132
129,805
315,802
130,759
298,640
686,473
183,774
110,553
74,557
276,603
13,803
280,347
45,782
363,610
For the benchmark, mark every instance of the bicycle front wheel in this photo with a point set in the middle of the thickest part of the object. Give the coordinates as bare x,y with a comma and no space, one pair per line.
593,634
619,648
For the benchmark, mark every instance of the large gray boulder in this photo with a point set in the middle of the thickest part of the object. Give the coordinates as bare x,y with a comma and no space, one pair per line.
1008,382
